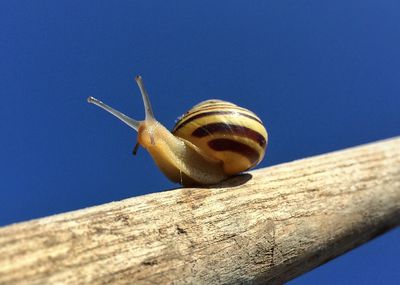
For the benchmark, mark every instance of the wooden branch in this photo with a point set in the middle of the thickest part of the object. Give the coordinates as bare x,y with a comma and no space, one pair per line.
282,222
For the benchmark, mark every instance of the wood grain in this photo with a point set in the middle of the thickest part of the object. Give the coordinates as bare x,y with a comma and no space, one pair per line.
265,227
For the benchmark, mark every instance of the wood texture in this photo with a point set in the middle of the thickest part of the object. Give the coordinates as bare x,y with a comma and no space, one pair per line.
265,227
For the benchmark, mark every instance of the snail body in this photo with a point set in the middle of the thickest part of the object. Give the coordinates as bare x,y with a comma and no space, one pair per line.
211,142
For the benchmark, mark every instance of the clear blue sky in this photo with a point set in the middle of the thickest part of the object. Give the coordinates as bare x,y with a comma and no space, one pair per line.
323,75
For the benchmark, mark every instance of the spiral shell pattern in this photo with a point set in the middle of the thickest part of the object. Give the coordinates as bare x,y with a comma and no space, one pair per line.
225,131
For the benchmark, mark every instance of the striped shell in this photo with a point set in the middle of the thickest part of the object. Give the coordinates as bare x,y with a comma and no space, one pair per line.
226,132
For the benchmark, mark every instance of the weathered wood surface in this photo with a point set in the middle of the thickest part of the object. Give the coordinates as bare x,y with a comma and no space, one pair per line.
282,222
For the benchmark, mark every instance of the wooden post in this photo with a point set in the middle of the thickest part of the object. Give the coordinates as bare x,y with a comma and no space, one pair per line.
265,227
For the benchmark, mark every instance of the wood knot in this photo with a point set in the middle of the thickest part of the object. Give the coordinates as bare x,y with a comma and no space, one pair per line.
180,230
150,262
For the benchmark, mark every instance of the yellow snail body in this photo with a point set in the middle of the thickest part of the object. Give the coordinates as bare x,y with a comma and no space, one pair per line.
211,142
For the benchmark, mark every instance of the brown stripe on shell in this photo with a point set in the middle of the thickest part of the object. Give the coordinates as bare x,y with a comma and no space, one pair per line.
185,122
209,107
229,129
237,147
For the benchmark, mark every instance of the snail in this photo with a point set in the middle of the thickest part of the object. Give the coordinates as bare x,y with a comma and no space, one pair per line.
209,143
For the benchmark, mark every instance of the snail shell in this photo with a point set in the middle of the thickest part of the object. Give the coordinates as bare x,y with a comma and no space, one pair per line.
226,132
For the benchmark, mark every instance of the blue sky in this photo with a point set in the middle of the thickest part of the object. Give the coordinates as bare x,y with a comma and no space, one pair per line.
323,75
